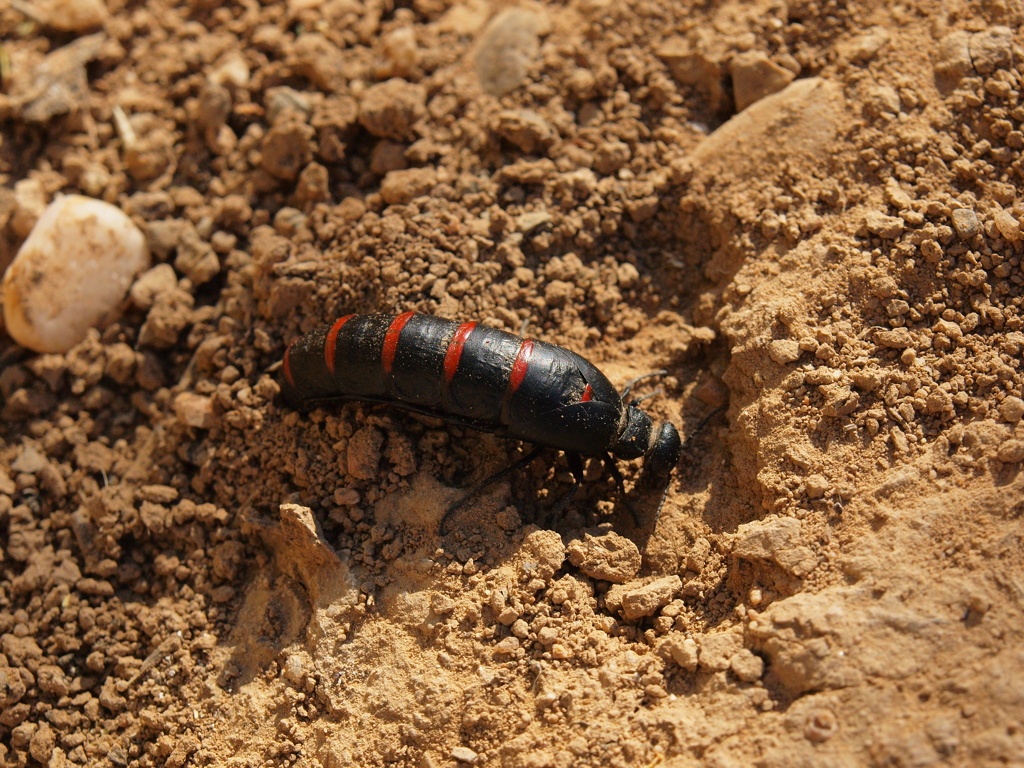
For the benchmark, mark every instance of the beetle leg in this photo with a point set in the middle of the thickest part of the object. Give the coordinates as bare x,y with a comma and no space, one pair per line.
620,483
475,491
576,467
632,382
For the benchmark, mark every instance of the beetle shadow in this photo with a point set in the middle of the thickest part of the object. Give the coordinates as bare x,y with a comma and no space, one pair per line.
693,476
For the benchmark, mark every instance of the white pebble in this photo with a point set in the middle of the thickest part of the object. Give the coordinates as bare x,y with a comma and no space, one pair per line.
71,273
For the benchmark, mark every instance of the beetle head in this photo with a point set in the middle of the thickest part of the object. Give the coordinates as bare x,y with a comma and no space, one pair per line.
659,444
664,450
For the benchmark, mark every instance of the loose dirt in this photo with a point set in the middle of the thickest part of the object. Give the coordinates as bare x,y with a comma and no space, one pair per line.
806,212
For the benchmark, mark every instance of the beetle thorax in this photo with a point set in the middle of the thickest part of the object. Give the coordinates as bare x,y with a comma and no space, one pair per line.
634,434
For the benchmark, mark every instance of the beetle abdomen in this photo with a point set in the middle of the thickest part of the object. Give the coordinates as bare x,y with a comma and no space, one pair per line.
486,377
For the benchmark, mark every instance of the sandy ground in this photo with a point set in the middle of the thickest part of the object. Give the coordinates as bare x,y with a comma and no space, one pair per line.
805,212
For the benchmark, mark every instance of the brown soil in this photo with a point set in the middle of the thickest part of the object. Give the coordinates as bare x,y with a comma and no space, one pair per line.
193,574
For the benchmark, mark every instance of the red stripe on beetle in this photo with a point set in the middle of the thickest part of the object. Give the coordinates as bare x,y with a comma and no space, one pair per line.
287,367
391,339
454,353
588,393
519,366
330,345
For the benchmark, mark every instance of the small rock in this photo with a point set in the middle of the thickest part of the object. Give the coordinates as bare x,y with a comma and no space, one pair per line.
59,85
42,744
196,259
295,669
509,645
286,147
67,15
214,108
897,196
939,401
697,557
1008,226
777,541
94,457
545,554
1011,451
991,50
97,587
532,220
29,460
610,557
464,755
507,48
699,68
508,616
364,452
882,100
864,47
163,234
280,99
1011,409
952,59
388,156
784,351
965,222
390,109
746,665
755,76
158,494
231,72
547,636
898,338
319,60
888,227
194,410
558,292
718,649
401,52
399,187
840,400
816,486
559,651
52,680
29,201
627,275
170,313
525,129
821,726
683,651
611,156
71,273
645,600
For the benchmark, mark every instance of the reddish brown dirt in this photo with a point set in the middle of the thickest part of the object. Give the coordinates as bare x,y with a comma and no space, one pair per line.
193,574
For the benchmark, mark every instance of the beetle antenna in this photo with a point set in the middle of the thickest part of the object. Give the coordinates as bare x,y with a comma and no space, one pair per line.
630,384
648,396
442,528
703,423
